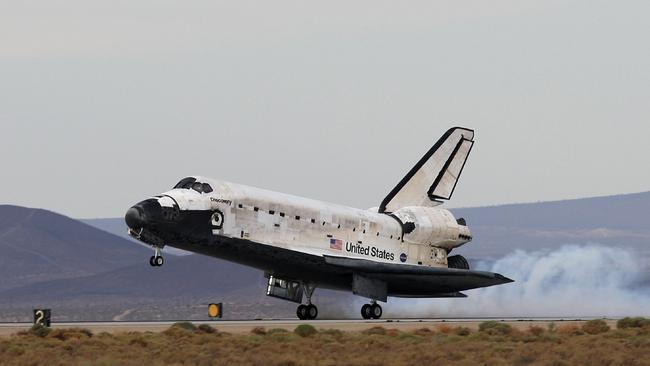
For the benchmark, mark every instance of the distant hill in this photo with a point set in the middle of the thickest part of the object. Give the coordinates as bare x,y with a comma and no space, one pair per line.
620,221
181,289
115,226
38,245
622,212
181,277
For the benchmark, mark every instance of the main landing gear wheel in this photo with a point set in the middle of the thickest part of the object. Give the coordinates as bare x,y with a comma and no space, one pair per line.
307,312
371,311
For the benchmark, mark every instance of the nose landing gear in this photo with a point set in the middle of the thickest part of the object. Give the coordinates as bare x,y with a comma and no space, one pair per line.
371,311
156,260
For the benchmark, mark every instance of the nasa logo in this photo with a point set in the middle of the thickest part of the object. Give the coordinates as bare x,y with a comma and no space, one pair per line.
402,257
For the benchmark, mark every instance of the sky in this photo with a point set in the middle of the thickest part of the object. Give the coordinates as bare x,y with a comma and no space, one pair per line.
105,103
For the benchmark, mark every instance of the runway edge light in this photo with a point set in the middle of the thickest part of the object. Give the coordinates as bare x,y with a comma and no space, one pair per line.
215,310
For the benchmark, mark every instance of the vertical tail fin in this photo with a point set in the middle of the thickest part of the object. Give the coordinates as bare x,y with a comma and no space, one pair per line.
435,176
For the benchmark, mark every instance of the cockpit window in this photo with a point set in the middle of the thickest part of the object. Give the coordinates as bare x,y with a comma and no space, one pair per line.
191,183
197,187
185,183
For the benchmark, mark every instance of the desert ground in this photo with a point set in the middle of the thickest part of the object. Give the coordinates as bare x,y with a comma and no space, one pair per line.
594,342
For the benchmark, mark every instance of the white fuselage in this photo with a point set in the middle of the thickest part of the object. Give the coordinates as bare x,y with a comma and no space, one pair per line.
320,228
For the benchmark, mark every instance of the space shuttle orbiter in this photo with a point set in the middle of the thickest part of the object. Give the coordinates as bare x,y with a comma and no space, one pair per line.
400,249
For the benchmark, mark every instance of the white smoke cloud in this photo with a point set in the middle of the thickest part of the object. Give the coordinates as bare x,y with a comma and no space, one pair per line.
574,281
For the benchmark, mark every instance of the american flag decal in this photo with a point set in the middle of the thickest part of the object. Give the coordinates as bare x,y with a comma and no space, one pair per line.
336,244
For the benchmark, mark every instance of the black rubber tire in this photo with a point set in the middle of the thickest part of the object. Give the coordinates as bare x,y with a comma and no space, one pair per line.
312,311
159,261
458,262
301,312
151,263
376,311
365,311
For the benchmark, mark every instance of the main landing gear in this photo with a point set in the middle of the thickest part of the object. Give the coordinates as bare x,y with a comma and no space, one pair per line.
371,311
309,311
156,260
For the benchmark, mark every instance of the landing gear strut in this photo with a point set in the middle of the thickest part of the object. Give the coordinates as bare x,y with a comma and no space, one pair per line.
156,260
371,311
309,311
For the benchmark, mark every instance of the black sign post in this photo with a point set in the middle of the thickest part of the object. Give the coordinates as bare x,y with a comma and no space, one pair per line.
42,317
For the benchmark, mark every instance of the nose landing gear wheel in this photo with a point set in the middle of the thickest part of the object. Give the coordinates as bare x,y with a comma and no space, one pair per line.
156,261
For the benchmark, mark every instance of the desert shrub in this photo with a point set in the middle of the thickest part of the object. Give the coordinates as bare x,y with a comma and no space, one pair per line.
570,330
333,332
206,328
138,342
258,331
392,332
444,328
495,328
462,331
635,322
595,326
305,330
40,330
408,336
277,331
374,330
177,332
15,350
424,332
535,330
72,333
184,325
86,332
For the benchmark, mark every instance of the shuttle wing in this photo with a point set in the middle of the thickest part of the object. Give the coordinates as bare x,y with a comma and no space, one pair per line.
434,280
435,176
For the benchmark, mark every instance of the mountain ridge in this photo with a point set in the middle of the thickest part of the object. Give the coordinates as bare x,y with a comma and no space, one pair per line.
39,245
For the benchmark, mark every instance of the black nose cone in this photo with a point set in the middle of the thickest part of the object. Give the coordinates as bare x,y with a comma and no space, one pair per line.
134,218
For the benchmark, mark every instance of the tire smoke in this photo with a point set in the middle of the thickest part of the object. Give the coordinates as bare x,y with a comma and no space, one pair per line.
574,281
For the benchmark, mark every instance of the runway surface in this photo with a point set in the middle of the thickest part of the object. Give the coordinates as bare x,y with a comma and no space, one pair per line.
244,326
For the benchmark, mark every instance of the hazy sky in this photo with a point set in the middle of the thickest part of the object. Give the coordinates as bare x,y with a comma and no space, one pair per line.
104,103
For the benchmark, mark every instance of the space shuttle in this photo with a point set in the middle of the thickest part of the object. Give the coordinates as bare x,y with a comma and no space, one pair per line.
402,248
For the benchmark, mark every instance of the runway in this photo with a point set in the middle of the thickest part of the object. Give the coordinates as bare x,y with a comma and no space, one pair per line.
245,326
